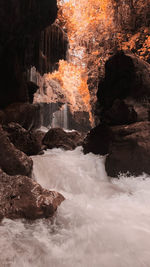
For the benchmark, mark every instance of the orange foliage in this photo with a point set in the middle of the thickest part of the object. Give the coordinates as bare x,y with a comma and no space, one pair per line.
74,82
84,20
139,43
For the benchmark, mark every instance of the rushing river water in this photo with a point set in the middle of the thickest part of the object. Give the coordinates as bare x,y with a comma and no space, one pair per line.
101,223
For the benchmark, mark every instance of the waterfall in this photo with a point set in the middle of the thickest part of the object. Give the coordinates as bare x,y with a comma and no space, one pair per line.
102,223
60,118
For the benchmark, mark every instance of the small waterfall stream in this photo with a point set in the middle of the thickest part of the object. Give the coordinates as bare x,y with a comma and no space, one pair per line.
102,223
60,118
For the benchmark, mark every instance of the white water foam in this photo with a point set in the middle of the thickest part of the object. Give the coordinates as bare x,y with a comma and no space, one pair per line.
101,223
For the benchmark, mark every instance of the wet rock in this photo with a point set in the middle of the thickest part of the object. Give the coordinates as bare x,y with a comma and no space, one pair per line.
129,150
120,113
79,120
124,101
76,137
22,197
27,115
13,161
39,135
126,84
26,141
57,137
98,140
127,147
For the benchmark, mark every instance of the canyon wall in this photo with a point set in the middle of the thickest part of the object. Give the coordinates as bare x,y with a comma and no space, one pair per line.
26,40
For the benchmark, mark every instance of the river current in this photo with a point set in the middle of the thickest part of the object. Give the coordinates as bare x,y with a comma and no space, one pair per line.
102,223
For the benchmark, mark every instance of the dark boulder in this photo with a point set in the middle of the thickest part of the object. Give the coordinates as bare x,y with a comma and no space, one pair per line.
124,106
120,113
127,79
129,150
22,197
57,137
12,160
76,137
98,140
26,141
79,120
127,147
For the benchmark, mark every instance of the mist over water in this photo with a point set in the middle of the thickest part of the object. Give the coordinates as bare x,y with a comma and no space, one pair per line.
102,222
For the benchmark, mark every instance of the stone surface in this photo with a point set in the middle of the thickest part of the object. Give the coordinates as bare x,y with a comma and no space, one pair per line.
127,79
120,113
53,44
26,141
12,160
22,197
27,115
130,150
98,140
31,40
57,137
76,137
79,120
124,108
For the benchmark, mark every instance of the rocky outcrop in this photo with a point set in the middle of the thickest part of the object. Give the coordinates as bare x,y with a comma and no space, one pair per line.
25,114
50,91
53,46
58,138
29,41
26,141
130,149
98,140
125,88
123,109
12,160
79,120
21,197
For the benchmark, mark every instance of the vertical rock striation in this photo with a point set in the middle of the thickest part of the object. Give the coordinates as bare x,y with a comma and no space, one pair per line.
26,40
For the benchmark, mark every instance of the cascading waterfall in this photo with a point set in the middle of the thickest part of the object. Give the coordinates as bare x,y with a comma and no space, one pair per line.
101,223
60,118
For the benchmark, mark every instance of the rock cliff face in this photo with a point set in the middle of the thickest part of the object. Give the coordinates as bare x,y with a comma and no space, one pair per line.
26,40
125,90
124,111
